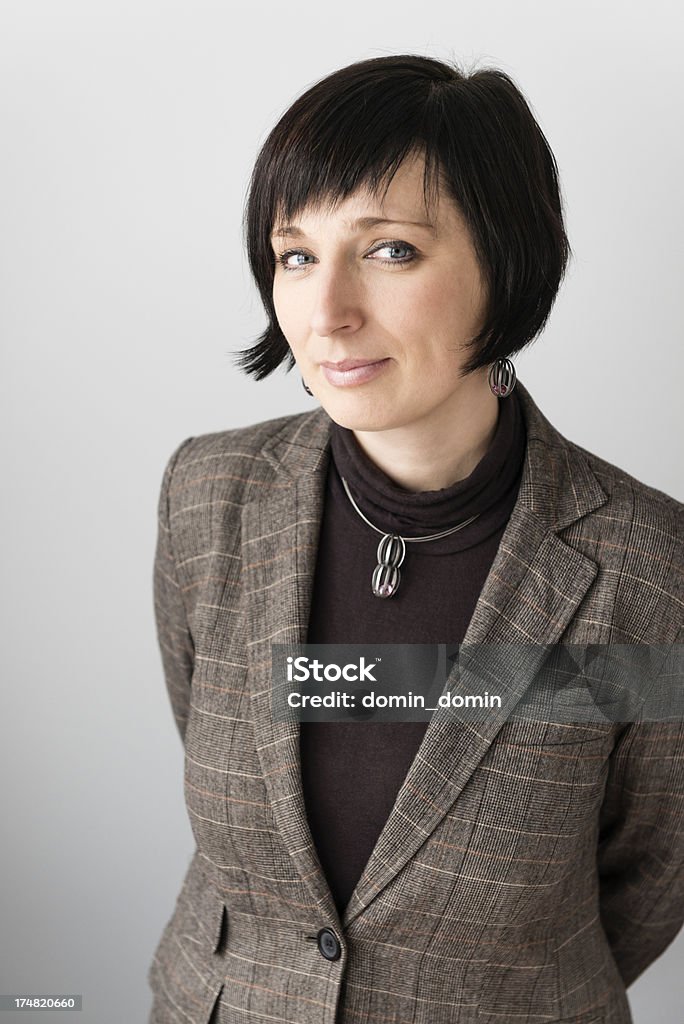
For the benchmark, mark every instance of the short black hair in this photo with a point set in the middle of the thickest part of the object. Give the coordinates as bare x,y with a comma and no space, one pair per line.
480,142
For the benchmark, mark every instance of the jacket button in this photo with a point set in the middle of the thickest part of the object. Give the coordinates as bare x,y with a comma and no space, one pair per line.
328,944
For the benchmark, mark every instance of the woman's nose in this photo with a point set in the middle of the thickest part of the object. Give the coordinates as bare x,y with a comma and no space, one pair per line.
336,302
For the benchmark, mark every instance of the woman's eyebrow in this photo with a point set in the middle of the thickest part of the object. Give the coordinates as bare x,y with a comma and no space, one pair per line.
360,224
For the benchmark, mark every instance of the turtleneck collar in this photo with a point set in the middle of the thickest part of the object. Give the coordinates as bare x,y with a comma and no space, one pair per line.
488,491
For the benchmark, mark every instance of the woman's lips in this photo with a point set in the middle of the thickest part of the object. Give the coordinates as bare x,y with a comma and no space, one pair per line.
359,375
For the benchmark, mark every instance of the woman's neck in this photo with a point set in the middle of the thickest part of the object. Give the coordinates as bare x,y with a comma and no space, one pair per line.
432,454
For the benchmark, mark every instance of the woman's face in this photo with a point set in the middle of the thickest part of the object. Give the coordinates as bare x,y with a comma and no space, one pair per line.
406,294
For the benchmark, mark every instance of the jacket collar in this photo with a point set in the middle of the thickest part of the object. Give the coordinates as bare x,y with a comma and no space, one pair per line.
533,589
555,498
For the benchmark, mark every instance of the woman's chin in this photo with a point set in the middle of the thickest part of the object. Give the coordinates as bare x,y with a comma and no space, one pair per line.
359,415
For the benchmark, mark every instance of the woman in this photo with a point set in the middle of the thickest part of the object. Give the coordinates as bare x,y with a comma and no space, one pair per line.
405,231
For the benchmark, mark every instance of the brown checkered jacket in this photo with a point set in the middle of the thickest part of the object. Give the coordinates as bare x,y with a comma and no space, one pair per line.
526,874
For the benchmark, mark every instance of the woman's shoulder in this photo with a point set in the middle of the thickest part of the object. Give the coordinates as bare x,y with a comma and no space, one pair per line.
231,464
636,538
576,468
630,495
246,440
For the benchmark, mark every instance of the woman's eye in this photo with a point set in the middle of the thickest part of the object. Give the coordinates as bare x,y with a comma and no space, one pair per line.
283,258
400,253
394,247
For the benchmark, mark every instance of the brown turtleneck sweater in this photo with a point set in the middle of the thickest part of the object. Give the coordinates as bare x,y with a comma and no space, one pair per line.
352,771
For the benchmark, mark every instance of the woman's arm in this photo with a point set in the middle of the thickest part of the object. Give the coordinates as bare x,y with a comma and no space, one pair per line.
641,844
173,631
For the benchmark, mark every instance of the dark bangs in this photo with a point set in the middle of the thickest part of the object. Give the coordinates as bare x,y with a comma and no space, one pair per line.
481,145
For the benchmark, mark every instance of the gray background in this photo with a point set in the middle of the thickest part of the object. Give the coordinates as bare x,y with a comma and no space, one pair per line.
127,132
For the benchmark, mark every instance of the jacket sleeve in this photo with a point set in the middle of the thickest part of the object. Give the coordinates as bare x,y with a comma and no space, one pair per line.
641,844
173,631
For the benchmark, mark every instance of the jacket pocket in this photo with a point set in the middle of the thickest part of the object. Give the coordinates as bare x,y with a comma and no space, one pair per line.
591,1018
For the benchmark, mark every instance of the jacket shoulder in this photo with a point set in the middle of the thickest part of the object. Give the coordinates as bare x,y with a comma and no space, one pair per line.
240,442
636,538
229,461
629,495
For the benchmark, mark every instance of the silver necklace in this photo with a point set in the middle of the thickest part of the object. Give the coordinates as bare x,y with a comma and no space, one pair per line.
392,550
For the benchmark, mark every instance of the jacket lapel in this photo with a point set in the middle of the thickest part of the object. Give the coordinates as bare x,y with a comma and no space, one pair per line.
279,541
531,593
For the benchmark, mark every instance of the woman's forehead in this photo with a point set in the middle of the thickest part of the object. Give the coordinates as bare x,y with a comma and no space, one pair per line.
362,212
399,198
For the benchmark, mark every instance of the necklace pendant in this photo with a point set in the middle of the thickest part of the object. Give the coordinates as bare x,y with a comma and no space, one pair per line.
386,576
392,549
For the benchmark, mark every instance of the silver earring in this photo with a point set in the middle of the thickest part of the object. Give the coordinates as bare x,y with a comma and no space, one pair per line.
502,377
307,389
